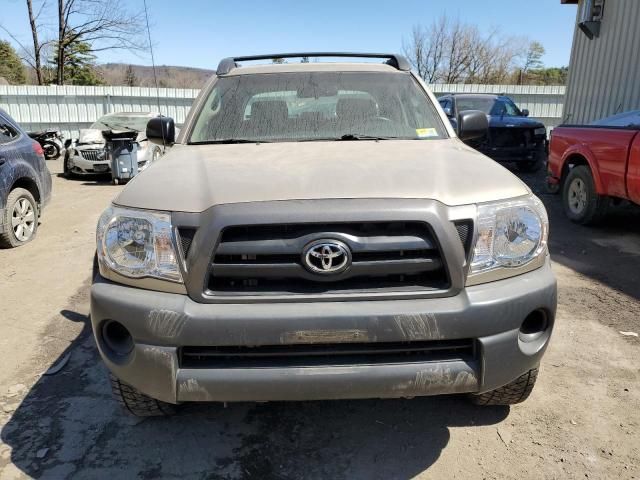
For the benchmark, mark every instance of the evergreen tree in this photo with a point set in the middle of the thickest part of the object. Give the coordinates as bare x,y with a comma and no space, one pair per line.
79,64
11,67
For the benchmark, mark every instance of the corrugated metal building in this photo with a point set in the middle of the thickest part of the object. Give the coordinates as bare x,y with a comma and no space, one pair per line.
604,74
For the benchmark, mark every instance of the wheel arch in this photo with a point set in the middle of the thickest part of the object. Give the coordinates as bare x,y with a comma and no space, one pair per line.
581,157
30,185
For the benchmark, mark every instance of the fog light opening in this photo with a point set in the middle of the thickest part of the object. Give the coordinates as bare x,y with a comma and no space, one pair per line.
117,338
535,324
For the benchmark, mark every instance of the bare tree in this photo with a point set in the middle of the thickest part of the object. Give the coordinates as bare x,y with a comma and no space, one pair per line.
102,24
426,48
456,52
33,55
37,46
130,78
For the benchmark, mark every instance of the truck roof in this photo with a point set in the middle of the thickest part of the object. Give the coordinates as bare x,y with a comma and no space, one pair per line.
392,62
313,67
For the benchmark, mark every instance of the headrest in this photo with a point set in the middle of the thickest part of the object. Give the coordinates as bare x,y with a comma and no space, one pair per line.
356,108
272,110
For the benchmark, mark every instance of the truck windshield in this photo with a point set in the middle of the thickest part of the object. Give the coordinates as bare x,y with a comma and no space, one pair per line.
308,106
491,106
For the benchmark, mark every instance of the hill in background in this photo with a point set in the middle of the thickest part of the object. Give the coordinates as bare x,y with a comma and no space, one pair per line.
168,76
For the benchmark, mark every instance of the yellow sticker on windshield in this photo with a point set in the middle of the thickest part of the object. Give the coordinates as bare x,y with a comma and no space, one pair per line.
426,132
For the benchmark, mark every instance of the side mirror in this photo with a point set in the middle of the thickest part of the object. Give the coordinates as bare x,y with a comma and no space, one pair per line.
525,113
472,124
161,130
448,112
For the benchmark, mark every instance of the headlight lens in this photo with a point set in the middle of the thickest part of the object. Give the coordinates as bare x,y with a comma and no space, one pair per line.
510,234
540,131
137,243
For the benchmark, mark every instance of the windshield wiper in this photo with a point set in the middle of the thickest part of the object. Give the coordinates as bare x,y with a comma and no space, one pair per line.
359,136
350,137
228,141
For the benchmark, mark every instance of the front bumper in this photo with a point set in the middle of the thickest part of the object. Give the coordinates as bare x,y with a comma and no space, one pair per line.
514,154
80,165
160,323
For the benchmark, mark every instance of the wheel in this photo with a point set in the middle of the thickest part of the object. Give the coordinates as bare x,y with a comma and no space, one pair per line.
515,392
51,150
137,403
531,166
21,219
581,202
66,166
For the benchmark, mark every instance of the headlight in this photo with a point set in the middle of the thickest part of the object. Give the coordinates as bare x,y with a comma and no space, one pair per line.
137,243
511,234
540,131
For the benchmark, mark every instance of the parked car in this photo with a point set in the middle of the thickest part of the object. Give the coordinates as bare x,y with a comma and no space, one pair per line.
291,250
513,136
25,184
87,155
596,165
51,142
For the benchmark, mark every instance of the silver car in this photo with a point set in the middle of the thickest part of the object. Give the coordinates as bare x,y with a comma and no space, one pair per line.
87,155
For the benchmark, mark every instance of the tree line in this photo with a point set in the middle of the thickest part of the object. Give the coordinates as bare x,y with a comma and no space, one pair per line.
65,52
451,51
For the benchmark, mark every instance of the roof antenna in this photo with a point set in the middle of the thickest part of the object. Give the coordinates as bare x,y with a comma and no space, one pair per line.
155,76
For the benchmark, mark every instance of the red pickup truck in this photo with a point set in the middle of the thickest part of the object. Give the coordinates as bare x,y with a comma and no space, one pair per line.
596,165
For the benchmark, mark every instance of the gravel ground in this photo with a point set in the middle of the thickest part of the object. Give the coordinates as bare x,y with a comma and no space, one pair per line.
582,420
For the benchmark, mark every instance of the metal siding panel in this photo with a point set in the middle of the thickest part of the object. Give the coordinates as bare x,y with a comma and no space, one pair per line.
70,107
604,71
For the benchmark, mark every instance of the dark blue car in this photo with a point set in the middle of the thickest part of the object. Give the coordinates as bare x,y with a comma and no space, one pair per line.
512,137
25,184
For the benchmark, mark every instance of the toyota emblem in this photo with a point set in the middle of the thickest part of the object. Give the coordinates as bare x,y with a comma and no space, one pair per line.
326,256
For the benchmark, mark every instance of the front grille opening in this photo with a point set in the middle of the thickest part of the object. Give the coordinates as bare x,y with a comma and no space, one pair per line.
288,231
93,155
465,232
282,286
268,259
325,354
186,238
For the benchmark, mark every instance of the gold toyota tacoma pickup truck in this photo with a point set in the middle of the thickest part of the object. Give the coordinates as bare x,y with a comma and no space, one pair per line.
320,231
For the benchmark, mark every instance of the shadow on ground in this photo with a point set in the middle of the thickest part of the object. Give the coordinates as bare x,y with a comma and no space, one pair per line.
70,420
608,253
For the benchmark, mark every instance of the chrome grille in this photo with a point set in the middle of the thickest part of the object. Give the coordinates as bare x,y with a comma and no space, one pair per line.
93,155
386,256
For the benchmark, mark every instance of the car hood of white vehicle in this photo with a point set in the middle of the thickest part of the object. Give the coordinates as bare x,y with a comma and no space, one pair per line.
193,178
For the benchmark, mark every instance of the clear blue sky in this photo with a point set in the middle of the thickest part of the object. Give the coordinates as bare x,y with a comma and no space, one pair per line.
198,33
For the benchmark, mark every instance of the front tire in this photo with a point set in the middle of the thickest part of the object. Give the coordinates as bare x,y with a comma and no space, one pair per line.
581,202
66,167
137,403
21,219
515,392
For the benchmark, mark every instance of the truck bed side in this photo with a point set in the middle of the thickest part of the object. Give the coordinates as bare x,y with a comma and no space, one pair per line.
605,149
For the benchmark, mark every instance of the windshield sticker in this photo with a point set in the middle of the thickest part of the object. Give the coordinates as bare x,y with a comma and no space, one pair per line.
426,132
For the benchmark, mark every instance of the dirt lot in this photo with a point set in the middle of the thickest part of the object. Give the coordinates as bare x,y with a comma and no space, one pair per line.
582,420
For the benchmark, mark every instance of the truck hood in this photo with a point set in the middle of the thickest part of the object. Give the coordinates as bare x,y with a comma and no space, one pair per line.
193,178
